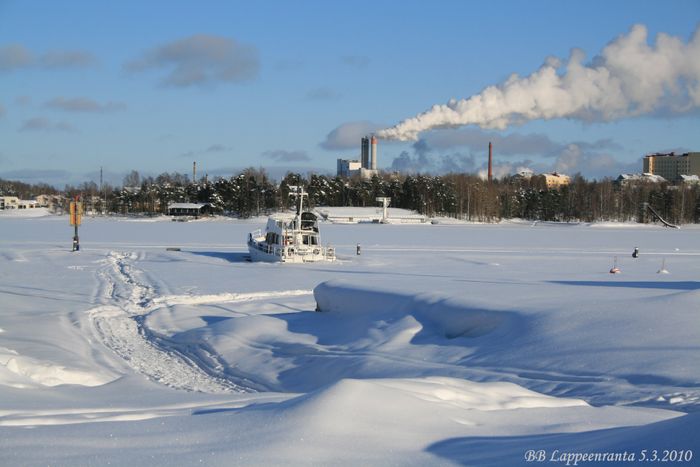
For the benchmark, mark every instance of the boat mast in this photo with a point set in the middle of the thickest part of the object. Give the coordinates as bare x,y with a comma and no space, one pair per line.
300,207
298,192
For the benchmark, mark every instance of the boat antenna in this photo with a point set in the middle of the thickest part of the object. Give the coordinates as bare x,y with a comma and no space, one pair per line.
298,193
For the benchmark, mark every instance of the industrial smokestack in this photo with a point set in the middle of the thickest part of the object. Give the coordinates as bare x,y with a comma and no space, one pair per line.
364,161
374,152
490,161
194,172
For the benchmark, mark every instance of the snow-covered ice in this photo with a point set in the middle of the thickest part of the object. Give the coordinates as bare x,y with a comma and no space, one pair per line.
441,344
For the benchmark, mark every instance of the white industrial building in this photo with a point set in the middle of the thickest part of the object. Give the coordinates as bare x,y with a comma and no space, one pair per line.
366,167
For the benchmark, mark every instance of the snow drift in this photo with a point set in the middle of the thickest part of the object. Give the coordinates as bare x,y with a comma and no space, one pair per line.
446,316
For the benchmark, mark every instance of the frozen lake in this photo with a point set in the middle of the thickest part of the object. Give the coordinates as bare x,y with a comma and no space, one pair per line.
439,344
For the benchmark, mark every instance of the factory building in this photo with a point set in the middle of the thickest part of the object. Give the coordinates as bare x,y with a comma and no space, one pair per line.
348,167
555,180
366,166
672,166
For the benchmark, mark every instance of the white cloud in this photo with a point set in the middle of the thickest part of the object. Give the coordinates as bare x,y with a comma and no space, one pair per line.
67,59
322,94
348,135
83,104
44,124
217,148
356,61
212,148
281,155
200,60
23,101
16,56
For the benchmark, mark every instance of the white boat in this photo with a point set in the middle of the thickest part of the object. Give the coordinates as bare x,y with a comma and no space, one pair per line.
290,238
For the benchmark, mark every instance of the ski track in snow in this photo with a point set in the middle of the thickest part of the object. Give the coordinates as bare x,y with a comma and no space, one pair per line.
70,416
127,299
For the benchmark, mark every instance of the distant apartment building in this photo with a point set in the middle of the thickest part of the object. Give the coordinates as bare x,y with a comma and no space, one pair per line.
555,180
9,202
49,201
672,166
13,202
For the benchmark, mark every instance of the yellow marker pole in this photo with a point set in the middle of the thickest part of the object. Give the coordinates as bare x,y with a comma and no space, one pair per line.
76,217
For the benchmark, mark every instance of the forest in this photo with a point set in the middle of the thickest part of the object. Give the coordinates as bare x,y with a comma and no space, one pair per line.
458,195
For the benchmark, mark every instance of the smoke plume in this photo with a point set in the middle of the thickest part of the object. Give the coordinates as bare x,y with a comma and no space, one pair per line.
629,78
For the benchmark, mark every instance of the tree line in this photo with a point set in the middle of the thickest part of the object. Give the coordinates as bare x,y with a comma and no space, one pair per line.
464,196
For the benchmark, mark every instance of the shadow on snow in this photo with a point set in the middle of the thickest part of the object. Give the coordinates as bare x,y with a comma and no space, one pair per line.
231,257
678,285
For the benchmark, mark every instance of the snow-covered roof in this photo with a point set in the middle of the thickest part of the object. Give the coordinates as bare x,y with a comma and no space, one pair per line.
556,175
647,177
187,205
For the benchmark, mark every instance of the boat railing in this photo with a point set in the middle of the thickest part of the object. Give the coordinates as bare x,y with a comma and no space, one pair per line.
265,248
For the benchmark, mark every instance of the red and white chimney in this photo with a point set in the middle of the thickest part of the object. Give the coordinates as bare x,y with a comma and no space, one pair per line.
374,153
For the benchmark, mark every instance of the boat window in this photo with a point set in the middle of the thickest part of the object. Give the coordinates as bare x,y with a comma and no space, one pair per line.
314,240
306,240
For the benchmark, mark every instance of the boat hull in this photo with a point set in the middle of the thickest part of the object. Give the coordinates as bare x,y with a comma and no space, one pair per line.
265,253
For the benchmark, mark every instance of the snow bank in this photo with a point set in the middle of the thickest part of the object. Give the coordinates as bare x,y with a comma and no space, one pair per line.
446,316
25,213
646,444
23,372
396,421
434,391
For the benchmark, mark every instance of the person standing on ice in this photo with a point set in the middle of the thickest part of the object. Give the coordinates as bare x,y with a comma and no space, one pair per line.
635,253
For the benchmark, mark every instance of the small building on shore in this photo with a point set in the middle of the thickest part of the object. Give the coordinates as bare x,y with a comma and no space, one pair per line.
195,210
13,202
9,202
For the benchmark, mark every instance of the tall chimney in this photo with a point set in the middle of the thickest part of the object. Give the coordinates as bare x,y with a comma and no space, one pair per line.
374,152
364,161
490,161
194,172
